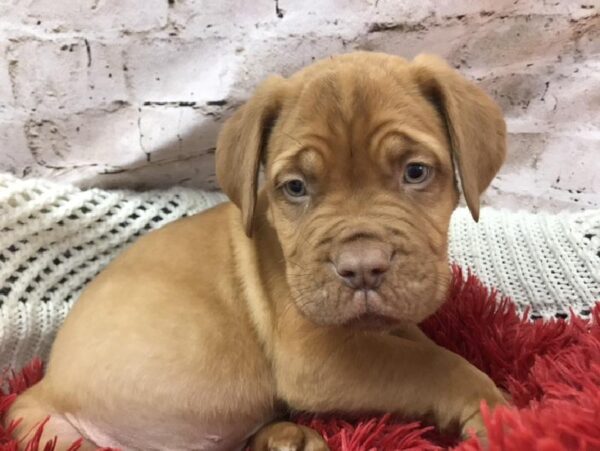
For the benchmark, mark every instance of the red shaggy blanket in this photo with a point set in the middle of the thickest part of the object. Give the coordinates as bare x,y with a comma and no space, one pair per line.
551,369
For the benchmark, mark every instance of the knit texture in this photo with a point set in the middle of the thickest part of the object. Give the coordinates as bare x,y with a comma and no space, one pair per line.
549,263
55,238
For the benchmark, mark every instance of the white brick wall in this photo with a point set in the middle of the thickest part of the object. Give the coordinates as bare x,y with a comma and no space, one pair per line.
125,93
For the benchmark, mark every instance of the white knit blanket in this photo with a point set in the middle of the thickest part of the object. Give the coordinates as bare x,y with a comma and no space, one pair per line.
55,238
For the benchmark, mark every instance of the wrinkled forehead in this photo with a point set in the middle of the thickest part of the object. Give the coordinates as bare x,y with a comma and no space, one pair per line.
349,113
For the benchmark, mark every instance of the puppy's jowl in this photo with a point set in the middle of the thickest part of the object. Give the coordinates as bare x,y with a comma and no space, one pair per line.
304,292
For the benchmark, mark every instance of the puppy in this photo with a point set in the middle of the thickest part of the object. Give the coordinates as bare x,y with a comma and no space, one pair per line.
303,295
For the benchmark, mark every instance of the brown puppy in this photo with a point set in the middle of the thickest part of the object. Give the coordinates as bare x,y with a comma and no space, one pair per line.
196,336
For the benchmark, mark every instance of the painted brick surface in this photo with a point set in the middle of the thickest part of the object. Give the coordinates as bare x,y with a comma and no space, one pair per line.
132,94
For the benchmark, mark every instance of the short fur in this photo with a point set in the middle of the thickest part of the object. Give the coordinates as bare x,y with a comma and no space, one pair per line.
203,332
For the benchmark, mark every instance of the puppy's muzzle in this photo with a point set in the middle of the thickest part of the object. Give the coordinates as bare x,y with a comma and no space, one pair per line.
362,264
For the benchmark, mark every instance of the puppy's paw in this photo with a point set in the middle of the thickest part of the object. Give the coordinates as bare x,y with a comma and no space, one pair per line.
286,436
474,424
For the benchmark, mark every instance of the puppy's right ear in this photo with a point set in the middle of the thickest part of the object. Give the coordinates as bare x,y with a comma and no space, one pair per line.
241,144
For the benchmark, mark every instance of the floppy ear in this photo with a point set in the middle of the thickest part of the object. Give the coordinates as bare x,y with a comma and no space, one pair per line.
476,127
241,144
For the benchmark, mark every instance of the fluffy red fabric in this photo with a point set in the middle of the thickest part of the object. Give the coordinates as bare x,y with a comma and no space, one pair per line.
551,369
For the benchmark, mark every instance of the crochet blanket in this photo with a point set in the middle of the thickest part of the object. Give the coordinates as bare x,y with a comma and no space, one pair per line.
54,238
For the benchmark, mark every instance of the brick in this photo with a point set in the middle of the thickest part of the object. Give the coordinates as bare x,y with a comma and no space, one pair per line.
198,18
157,147
586,34
535,36
175,132
89,15
264,56
105,138
14,154
66,74
557,96
571,98
195,171
554,177
410,42
176,70
517,92
6,94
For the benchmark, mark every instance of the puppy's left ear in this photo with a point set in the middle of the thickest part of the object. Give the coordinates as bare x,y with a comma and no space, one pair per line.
475,124
241,144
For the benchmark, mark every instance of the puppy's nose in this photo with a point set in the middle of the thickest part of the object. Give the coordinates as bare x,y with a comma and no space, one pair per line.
362,265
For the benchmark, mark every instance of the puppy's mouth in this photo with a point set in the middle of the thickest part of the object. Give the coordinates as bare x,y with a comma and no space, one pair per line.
399,297
372,321
370,311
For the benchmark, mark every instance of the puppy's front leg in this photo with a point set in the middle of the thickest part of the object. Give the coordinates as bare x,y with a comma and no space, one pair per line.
287,436
333,370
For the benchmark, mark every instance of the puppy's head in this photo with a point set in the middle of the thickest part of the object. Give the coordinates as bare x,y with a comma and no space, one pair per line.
359,153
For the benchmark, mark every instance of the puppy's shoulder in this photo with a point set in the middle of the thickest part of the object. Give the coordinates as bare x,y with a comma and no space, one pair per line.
208,224
200,238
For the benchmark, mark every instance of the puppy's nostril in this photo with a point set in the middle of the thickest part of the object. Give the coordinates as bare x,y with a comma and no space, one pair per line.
347,274
378,271
362,265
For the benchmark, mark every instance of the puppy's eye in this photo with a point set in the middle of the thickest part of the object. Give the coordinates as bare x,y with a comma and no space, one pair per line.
294,189
416,173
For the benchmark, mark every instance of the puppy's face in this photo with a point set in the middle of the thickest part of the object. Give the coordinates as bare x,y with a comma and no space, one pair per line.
358,154
361,187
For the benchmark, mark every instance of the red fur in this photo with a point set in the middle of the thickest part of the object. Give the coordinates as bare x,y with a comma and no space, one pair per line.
551,369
